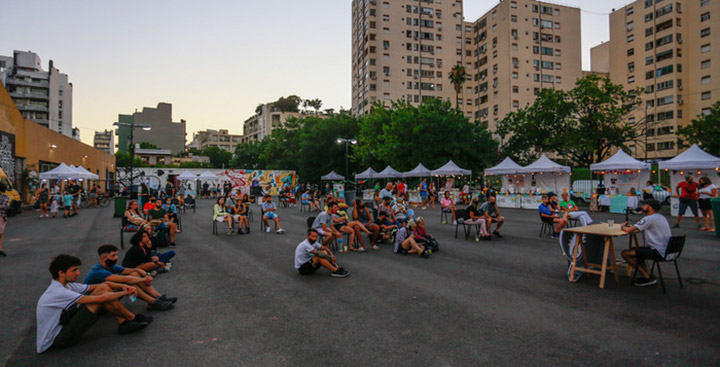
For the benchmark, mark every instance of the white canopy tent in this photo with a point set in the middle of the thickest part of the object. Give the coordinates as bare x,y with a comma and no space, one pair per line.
89,175
549,176
388,172
506,167
627,171
332,176
693,162
367,174
419,171
208,176
186,176
60,172
451,169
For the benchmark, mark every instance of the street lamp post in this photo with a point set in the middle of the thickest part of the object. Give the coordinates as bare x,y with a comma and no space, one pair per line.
347,142
131,147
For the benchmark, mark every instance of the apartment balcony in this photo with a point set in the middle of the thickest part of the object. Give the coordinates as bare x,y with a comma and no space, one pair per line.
29,95
44,122
31,107
19,82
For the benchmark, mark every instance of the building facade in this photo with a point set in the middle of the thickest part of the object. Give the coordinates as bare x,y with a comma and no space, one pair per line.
44,97
105,141
215,138
164,133
671,49
267,118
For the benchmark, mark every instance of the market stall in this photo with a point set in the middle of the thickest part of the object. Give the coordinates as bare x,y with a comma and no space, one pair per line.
547,175
621,174
450,169
368,174
693,162
388,172
419,171
512,182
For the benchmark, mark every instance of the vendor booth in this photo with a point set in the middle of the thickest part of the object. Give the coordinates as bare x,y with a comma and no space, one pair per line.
693,162
338,187
512,183
451,169
548,176
388,172
419,171
621,174
368,174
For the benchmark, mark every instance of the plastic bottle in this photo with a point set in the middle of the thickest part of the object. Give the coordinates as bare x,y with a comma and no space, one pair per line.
340,244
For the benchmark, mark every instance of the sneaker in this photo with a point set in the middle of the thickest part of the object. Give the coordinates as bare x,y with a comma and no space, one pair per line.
555,235
280,231
375,247
454,222
642,282
143,318
168,299
173,245
425,254
160,305
163,270
267,229
42,216
2,253
131,326
676,225
497,234
340,273
153,273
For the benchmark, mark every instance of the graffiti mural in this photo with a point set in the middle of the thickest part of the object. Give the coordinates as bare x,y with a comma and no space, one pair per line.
7,155
270,181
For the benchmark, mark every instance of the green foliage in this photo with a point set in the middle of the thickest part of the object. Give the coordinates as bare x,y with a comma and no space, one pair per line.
582,124
248,155
146,145
123,160
218,158
193,165
704,131
458,76
288,104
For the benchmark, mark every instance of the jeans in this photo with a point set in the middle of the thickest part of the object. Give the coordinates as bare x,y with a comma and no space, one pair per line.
165,256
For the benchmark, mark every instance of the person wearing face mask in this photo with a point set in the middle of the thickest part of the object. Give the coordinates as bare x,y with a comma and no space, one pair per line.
657,236
107,271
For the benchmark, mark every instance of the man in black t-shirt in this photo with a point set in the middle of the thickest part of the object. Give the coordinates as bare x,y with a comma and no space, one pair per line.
140,255
476,218
170,189
158,213
74,190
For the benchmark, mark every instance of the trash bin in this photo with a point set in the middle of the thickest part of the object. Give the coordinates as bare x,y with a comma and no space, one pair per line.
120,206
716,213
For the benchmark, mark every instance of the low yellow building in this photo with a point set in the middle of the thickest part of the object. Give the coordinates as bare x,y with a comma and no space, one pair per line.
27,148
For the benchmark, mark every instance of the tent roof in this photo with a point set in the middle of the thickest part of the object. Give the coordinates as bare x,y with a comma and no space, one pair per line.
186,175
620,161
368,173
388,172
207,175
60,172
693,158
419,171
88,174
449,169
544,164
332,176
506,167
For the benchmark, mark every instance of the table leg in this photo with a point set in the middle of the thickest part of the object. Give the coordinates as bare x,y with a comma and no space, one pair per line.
613,261
578,242
603,272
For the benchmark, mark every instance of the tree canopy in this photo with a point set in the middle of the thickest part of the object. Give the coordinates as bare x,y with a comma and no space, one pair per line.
704,131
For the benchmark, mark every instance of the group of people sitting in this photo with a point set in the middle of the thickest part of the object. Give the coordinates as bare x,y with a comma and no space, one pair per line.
161,216
481,215
68,308
559,214
233,210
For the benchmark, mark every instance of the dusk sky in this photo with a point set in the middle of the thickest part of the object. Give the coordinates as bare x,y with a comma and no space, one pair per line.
215,61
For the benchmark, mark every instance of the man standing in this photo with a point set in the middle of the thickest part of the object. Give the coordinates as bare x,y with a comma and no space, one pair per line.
424,192
311,255
657,236
67,309
687,191
492,215
613,189
269,212
74,190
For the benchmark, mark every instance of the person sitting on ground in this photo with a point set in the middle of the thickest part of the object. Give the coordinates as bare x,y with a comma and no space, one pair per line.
547,215
140,255
492,215
362,215
386,214
422,237
159,215
240,215
657,235
402,213
67,310
220,215
405,241
568,206
107,270
311,256
270,212
476,218
134,217
448,206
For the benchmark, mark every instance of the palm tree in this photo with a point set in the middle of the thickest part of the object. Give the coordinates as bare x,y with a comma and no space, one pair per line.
457,78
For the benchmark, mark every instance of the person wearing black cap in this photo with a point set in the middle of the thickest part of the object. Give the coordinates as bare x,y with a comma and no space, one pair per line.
657,236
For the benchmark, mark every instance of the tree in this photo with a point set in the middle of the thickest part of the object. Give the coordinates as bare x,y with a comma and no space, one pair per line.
288,104
704,131
218,158
458,75
248,155
146,145
315,104
123,160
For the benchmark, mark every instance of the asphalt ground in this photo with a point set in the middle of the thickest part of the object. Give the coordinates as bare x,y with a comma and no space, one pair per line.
505,302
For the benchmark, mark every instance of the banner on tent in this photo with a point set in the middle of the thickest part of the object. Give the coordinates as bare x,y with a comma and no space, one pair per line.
508,201
339,190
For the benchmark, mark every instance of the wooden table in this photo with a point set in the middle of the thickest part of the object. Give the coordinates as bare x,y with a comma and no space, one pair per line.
601,229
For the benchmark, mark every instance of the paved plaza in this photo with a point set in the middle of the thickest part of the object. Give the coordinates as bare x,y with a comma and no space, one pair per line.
241,302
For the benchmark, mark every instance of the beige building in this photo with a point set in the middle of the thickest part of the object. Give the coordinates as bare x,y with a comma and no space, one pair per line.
518,48
267,118
154,157
215,138
671,49
105,141
404,49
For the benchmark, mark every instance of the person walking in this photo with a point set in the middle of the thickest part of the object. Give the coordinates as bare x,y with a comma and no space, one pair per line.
43,196
687,191
706,192
4,205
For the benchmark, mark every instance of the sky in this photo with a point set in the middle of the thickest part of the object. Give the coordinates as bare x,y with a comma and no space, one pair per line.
214,60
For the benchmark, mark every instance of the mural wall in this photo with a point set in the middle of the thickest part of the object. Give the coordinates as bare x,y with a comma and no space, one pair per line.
270,181
7,154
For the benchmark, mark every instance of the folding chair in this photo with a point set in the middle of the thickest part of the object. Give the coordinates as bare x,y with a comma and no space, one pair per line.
672,253
304,205
460,215
445,213
547,226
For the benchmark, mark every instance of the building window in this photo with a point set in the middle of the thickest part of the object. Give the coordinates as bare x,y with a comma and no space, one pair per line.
631,79
515,75
629,11
513,18
705,32
631,37
705,80
515,89
631,52
648,46
631,67
705,64
705,16
705,96
516,104
705,48
648,31
704,2
629,26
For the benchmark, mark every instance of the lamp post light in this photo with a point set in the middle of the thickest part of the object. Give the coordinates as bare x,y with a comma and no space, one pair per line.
347,142
132,126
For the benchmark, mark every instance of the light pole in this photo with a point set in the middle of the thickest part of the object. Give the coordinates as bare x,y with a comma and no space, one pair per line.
131,147
347,142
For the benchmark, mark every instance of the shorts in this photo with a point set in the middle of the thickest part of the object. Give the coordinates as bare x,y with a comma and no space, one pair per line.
308,268
424,195
68,207
73,330
305,202
685,203
42,201
220,218
339,225
270,215
704,204
648,252
3,221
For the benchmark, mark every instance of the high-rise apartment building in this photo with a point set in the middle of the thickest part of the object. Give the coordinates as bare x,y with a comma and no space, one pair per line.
105,141
404,49
215,138
266,119
44,97
671,49
163,133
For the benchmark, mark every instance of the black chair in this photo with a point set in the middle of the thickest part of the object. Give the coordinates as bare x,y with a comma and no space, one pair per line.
672,253
262,220
333,245
215,231
572,222
445,213
460,215
547,225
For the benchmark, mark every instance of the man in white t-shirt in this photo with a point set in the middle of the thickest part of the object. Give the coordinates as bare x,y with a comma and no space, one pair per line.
613,189
310,255
657,236
67,309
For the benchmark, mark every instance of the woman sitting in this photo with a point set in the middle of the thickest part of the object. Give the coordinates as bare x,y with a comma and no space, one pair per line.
220,215
362,215
448,206
421,235
405,242
134,217
239,215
